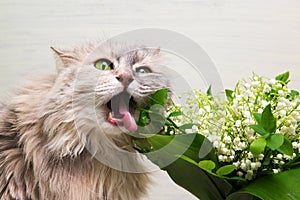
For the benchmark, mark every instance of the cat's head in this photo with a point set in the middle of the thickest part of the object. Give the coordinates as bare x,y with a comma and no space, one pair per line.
106,82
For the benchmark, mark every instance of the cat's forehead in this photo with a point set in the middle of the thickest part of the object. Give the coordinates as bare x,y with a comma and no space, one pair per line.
118,50
124,53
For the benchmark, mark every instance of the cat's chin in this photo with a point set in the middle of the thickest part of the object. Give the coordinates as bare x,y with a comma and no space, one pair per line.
111,129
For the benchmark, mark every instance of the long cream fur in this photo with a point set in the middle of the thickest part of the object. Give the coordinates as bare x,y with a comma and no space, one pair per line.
42,154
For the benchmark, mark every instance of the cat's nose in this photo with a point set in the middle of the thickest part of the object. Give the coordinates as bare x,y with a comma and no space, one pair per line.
125,78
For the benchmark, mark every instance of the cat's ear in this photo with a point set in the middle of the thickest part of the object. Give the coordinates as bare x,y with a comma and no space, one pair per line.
156,51
63,58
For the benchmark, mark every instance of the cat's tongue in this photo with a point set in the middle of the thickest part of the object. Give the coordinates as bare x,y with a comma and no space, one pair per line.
121,114
128,120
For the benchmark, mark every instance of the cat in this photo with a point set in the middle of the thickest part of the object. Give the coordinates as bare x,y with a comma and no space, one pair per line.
59,131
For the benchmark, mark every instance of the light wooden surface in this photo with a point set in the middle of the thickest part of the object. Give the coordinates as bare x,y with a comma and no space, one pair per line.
239,36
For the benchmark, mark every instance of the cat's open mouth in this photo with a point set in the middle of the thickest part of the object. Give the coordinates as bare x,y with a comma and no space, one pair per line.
121,111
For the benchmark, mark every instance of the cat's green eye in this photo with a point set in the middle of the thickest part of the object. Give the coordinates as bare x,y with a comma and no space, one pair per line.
143,70
104,64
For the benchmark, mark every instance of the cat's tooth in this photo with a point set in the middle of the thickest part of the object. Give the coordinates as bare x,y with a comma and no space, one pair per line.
111,119
110,116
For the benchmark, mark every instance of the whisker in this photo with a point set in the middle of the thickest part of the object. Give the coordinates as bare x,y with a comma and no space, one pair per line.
98,104
83,98
108,86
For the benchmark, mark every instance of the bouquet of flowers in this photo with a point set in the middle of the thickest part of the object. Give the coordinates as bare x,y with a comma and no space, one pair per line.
244,147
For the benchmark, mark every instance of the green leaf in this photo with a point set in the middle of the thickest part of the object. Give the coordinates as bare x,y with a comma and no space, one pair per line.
159,97
258,146
189,160
283,77
294,162
175,114
183,167
283,186
157,119
242,196
167,148
209,92
275,141
229,95
267,158
200,183
268,120
186,126
294,93
155,122
153,108
142,144
143,118
205,149
207,165
286,147
257,117
156,108
260,130
225,170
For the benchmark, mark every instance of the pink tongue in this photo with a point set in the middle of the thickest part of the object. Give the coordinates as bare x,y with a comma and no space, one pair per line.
128,121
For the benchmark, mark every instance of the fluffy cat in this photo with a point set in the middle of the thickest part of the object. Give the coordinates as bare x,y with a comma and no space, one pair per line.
59,132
